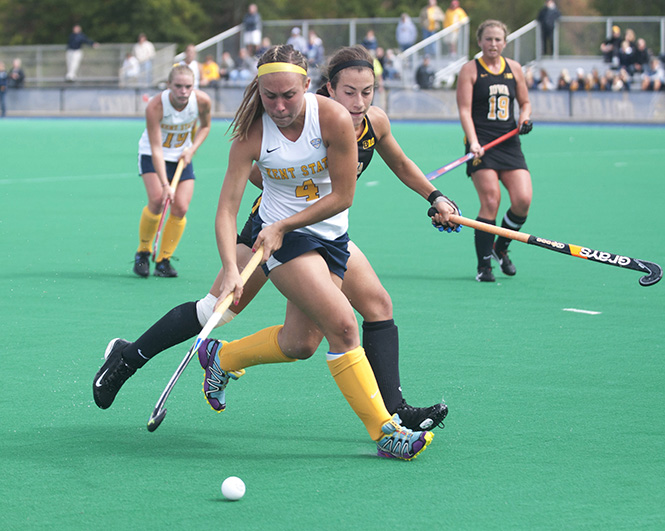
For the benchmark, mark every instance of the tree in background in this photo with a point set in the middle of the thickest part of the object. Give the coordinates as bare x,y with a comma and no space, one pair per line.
184,21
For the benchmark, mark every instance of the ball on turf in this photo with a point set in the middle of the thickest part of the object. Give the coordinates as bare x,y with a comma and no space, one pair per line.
233,488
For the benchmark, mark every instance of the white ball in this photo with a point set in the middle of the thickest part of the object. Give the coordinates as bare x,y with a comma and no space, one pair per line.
233,488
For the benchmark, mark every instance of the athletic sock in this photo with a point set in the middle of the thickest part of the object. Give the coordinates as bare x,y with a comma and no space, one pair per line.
258,349
381,344
510,221
484,242
178,325
147,230
354,377
173,229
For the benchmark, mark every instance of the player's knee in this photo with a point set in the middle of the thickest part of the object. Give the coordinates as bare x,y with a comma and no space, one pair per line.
205,307
378,307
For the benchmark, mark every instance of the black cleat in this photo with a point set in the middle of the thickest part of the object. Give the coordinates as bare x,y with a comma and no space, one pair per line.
422,418
507,266
113,374
485,275
165,269
142,264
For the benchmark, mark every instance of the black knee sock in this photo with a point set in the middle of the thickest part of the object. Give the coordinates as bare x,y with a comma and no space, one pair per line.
381,344
178,325
510,221
484,242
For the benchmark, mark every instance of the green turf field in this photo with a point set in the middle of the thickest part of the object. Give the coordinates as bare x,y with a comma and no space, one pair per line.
556,417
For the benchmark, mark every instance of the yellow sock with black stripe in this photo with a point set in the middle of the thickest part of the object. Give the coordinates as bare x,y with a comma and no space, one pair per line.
173,229
147,230
354,377
258,349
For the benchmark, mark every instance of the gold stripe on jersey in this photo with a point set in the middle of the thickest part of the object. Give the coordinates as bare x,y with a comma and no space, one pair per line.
503,67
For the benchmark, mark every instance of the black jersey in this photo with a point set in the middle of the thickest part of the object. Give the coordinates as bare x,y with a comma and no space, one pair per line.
493,103
492,111
366,144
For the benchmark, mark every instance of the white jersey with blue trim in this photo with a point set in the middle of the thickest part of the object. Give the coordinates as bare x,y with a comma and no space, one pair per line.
177,128
295,174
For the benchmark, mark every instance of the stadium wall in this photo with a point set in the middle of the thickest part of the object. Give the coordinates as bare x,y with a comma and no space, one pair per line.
399,103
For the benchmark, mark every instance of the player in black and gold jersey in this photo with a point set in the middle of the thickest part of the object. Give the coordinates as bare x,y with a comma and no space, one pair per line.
487,89
352,82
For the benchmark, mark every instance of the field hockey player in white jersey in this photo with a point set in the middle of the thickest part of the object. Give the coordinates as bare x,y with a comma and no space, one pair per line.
352,84
171,135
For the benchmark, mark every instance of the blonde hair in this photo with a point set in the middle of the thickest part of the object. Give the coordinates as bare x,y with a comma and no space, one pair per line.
491,24
251,107
178,70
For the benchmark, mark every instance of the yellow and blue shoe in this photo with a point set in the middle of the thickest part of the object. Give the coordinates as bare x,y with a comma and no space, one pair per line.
216,380
400,442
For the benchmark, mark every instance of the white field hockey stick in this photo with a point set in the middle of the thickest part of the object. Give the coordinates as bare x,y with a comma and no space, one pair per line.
652,271
445,169
174,185
159,412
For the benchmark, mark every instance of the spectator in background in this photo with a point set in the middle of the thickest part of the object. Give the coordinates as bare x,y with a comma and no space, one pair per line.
129,71
545,82
210,74
530,78
298,41
144,51
547,18
425,74
226,65
431,19
640,58
192,63
610,47
315,58
266,43
315,52
406,32
580,81
3,89
594,80
391,67
74,56
564,80
252,29
245,68
453,15
654,76
369,41
16,75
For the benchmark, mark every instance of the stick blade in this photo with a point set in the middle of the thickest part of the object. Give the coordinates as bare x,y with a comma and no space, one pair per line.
156,420
655,273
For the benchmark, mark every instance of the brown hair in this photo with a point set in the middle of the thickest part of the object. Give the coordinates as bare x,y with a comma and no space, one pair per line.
343,55
251,107
489,24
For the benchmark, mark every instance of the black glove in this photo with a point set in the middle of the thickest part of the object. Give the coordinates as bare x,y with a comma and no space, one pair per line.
526,127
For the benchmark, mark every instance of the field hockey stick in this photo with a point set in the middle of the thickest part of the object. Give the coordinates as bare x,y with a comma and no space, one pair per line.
652,271
159,412
445,169
174,184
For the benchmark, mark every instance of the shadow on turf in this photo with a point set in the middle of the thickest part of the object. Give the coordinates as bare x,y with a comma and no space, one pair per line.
49,445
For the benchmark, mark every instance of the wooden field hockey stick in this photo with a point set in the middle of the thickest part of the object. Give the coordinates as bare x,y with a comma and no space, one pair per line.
159,412
445,169
174,185
652,271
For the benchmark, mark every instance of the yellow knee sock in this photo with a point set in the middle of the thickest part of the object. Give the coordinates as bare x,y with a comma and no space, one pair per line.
173,229
354,377
147,230
258,349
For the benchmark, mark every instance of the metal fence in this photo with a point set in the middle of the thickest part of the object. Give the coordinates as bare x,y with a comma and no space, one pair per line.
45,65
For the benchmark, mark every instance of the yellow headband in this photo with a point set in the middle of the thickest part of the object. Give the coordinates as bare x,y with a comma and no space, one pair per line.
271,68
